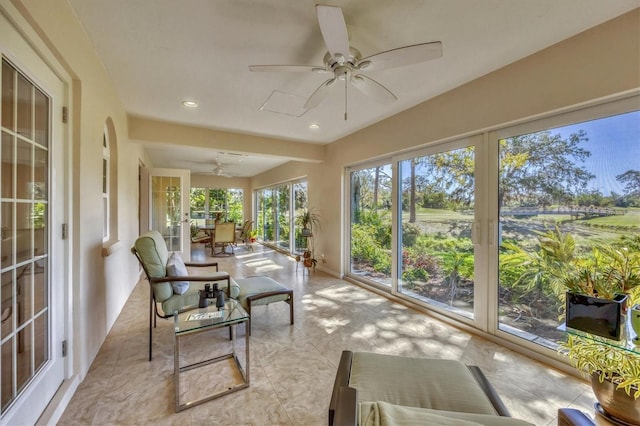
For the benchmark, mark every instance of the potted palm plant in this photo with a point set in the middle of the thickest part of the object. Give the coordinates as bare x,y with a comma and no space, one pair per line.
309,220
599,289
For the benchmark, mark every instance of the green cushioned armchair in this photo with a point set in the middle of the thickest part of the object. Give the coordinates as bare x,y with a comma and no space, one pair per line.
152,253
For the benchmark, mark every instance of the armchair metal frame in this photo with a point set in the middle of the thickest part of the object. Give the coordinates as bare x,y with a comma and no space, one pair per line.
154,313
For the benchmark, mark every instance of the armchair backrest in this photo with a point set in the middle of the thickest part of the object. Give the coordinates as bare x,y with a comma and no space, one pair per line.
151,250
245,229
225,232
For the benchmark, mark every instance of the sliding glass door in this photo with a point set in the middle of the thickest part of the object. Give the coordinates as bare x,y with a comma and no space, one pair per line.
436,220
484,229
370,223
567,197
276,213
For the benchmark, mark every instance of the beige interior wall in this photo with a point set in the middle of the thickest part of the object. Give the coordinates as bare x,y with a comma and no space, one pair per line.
100,284
602,61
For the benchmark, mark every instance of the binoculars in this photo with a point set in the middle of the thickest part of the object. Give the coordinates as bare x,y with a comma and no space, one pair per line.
210,292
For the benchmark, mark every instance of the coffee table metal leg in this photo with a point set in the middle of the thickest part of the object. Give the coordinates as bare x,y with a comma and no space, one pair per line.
244,372
176,370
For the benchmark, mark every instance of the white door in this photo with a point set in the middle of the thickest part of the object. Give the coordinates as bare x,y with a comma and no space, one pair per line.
32,210
169,212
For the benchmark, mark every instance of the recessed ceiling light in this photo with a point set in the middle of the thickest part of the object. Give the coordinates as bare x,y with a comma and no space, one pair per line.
190,104
314,126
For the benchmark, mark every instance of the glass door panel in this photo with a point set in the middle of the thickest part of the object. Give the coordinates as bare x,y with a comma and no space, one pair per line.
265,216
562,192
283,218
370,248
436,220
24,216
197,204
170,208
299,206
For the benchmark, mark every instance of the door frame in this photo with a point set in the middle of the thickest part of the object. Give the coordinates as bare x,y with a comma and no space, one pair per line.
62,154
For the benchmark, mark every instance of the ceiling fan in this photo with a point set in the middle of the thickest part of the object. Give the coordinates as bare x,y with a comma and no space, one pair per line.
346,63
219,170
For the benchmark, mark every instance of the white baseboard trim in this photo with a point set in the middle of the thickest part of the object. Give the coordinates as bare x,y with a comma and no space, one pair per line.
59,402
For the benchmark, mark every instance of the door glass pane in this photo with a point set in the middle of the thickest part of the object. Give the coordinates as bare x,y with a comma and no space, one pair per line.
25,169
266,215
8,96
371,223
235,203
24,289
7,165
300,205
197,202
41,119
218,206
6,378
437,218
562,193
25,107
167,210
283,218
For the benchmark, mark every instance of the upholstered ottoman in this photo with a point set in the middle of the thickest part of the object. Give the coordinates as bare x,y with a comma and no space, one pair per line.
262,290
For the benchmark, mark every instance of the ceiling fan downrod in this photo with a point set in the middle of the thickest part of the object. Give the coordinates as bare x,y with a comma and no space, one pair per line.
345,99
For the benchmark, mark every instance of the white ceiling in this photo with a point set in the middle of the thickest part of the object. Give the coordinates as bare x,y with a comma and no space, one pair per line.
161,52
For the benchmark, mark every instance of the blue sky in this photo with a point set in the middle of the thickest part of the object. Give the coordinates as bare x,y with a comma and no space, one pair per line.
614,143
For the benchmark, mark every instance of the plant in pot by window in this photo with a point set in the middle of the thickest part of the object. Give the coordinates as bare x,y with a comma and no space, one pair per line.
253,235
600,288
309,220
611,275
614,372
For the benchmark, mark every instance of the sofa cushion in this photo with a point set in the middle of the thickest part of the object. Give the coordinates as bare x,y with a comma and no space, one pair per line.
418,382
177,268
386,414
152,249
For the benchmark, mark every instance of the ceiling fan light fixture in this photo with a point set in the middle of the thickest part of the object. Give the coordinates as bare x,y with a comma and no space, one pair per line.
190,104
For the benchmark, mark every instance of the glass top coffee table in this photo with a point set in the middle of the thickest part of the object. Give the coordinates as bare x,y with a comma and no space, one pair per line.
196,321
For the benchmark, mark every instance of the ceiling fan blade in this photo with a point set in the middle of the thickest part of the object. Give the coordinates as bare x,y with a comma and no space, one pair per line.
334,31
288,68
373,89
401,56
318,96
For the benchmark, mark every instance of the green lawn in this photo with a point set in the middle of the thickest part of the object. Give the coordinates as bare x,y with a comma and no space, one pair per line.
631,218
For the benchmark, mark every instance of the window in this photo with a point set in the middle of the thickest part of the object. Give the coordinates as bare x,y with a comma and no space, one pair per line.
562,192
105,186
109,185
211,203
299,206
481,229
276,212
435,234
370,204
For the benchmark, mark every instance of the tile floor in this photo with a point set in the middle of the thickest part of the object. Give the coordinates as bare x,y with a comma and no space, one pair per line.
293,367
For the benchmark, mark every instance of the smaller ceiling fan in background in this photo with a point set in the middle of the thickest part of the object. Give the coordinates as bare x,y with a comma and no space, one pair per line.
219,170
346,63
224,162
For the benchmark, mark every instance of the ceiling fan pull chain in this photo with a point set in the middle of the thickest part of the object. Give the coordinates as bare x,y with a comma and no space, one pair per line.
345,98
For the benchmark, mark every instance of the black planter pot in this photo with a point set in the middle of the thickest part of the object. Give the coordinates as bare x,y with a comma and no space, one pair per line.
602,317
